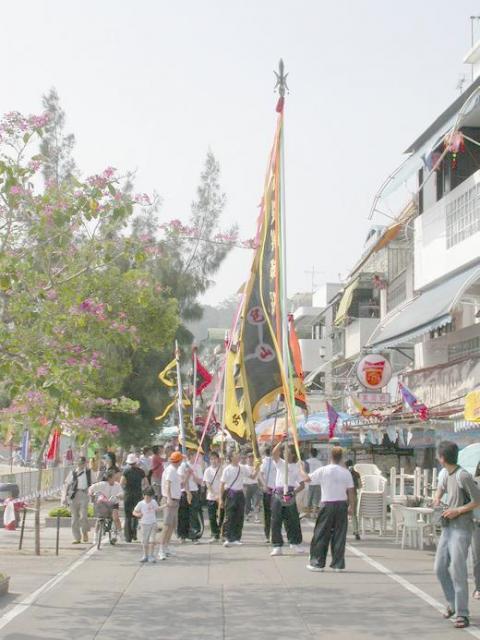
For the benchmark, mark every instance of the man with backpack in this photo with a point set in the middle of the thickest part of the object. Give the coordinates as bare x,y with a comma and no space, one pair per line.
77,485
463,496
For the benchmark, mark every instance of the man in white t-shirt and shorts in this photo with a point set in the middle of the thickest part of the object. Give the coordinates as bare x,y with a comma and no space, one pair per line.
332,522
171,492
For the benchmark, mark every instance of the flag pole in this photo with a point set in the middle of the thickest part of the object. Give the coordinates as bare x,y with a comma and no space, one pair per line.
224,404
282,87
194,392
180,400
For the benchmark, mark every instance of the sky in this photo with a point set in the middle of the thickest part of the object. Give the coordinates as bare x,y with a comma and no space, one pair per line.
151,85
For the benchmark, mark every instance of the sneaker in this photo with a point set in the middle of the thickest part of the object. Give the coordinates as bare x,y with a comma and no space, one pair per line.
162,556
77,542
315,567
212,540
257,520
170,553
196,541
337,570
476,594
183,541
267,540
297,548
237,543
227,543
85,537
277,551
357,536
144,559
152,560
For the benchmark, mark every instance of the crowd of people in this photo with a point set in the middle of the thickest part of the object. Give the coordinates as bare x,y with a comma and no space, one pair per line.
239,487
229,490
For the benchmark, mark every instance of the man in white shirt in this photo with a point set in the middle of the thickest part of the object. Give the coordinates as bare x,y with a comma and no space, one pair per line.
252,490
145,460
314,488
77,484
268,474
171,492
284,504
211,478
232,498
189,523
332,523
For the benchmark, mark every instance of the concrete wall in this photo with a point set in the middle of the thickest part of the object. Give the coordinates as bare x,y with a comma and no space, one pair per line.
357,334
432,257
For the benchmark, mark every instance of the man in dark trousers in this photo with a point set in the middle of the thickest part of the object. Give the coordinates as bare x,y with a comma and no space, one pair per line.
332,522
133,482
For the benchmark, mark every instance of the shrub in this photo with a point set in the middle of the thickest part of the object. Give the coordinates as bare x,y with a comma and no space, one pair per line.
64,512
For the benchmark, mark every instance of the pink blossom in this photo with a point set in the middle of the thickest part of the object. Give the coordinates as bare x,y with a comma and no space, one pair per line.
42,371
109,171
15,190
52,294
71,362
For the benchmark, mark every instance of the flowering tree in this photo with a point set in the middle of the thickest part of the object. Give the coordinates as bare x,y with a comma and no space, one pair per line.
75,298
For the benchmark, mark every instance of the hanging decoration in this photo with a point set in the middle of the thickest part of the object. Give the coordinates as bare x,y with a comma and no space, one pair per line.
54,448
409,437
415,405
361,436
455,144
392,433
332,420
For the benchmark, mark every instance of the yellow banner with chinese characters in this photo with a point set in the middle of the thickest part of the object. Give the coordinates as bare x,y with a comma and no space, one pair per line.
472,406
234,415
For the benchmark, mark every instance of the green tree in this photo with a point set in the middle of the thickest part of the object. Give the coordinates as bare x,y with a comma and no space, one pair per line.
56,146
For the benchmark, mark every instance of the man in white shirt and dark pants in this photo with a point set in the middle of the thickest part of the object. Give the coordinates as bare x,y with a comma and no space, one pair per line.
268,473
332,523
314,488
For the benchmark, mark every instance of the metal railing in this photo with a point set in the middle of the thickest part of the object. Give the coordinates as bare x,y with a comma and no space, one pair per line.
53,480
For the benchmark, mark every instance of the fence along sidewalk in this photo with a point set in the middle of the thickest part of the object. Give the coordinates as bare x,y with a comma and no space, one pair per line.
52,481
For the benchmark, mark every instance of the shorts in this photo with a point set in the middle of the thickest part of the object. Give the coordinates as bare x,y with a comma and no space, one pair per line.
149,532
170,517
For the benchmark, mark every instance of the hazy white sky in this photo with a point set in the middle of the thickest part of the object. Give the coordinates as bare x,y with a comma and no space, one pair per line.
151,84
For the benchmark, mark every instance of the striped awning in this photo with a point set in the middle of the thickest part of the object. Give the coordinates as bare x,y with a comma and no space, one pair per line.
429,310
346,302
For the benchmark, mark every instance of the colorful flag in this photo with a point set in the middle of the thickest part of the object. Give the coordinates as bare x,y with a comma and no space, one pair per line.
414,404
203,378
234,415
167,376
53,449
300,394
362,409
332,420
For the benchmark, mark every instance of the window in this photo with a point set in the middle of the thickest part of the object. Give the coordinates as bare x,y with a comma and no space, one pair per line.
465,348
397,261
463,216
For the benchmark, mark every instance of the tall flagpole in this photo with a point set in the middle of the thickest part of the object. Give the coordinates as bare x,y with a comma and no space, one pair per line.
281,86
181,423
194,393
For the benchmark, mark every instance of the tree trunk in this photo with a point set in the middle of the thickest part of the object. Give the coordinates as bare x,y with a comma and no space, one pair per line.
38,499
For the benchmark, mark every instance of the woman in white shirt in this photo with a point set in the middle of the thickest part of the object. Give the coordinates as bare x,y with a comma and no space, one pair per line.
284,505
232,498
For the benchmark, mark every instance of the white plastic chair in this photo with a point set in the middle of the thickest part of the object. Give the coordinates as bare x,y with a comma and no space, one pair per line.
374,483
415,529
367,469
397,520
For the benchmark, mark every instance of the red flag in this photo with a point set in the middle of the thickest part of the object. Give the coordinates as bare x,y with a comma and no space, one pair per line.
53,449
204,377
300,399
332,420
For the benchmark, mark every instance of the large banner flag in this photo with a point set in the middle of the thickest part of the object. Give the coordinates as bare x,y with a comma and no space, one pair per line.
415,405
168,375
234,415
203,377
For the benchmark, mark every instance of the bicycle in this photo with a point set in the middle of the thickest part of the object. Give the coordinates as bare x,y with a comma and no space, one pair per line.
104,525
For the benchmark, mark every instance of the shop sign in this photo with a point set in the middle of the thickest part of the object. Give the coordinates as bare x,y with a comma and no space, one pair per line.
374,371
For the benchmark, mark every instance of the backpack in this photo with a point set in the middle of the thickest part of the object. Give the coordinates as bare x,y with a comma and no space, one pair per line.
476,511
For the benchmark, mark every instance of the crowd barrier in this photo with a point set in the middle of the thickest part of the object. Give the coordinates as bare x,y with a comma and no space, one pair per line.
53,480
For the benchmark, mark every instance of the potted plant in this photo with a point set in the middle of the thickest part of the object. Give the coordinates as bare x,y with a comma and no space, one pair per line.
4,582
65,516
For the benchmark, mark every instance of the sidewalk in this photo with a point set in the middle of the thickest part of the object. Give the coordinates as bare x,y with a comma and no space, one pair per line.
212,593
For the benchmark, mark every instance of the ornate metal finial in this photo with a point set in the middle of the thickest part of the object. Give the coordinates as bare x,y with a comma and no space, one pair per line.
281,80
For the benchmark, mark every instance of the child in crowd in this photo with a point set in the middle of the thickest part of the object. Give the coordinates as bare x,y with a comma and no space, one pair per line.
146,510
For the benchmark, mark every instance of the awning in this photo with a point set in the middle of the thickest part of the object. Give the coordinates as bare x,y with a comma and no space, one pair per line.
430,310
346,302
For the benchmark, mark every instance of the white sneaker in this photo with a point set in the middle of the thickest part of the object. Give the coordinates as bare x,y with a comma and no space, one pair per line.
339,570
227,543
277,551
297,548
237,543
212,540
162,555
170,553
314,567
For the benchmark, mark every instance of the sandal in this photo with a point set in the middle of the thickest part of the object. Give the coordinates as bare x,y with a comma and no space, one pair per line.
449,612
462,622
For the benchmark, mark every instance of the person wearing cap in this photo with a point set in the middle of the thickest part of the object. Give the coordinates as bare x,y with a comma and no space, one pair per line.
133,482
171,492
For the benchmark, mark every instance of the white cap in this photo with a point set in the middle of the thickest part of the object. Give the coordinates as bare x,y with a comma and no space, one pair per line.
132,458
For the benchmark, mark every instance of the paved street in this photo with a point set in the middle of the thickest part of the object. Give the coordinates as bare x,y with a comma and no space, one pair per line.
209,592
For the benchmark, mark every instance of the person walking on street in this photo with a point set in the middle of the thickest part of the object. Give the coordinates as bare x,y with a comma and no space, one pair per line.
337,488
357,483
146,512
252,490
232,498
457,527
314,489
267,476
211,478
145,461
189,523
156,471
476,544
133,482
77,485
171,492
284,505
